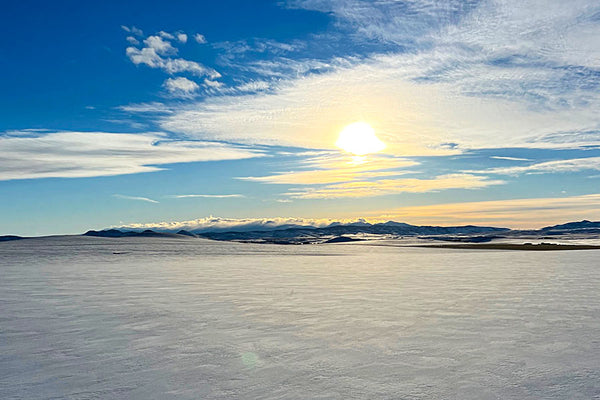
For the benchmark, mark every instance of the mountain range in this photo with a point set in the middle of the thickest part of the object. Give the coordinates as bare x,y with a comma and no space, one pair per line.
293,234
361,230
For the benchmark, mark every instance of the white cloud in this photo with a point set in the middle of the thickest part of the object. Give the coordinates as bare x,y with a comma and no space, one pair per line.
512,48
335,168
133,40
133,30
199,38
149,56
159,45
566,33
551,167
166,35
393,186
182,37
31,155
156,54
177,65
181,87
253,86
496,74
334,176
213,84
311,111
240,53
219,223
510,158
153,108
286,68
120,196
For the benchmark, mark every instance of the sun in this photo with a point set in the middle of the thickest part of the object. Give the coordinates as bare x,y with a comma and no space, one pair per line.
359,138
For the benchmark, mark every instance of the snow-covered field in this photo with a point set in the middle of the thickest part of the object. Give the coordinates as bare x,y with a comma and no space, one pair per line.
189,318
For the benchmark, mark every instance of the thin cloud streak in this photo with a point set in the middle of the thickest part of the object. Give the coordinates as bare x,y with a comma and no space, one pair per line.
137,198
394,186
30,155
208,196
333,168
550,167
510,158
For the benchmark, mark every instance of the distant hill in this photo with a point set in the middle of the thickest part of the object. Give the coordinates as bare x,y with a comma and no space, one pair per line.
584,227
387,228
342,239
298,233
115,233
585,224
185,233
10,237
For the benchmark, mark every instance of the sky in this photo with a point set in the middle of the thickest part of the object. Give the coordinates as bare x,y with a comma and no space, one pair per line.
191,114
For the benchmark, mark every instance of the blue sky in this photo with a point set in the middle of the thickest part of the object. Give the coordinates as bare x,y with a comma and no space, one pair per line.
186,114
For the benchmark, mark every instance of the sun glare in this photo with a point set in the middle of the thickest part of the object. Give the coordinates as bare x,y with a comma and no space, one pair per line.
359,139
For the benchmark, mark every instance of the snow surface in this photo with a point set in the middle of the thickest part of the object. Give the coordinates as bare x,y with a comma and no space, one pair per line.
190,318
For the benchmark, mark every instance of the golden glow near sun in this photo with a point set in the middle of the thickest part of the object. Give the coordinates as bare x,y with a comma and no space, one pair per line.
359,139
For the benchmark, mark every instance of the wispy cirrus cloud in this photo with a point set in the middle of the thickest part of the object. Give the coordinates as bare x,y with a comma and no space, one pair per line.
382,187
206,196
147,108
446,78
551,167
400,22
35,154
501,73
510,158
136,198
253,86
241,53
133,30
310,112
327,168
